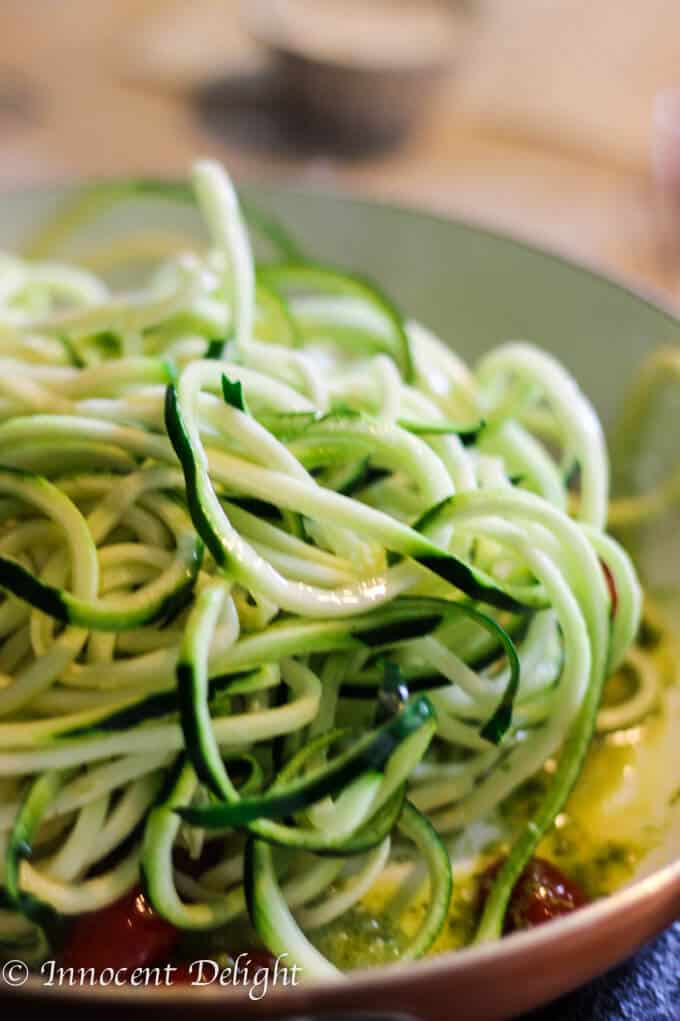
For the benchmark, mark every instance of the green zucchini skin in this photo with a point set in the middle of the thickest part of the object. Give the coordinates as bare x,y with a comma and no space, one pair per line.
418,828
400,630
367,754
61,605
37,799
275,926
107,614
174,423
467,434
100,197
272,919
378,630
467,579
290,425
180,784
371,752
193,689
316,277
153,707
365,837
22,583
419,620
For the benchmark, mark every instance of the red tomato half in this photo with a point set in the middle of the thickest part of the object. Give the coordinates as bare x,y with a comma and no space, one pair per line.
540,894
126,934
249,962
181,976
255,959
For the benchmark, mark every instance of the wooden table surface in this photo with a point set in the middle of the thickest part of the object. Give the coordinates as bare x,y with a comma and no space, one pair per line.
543,130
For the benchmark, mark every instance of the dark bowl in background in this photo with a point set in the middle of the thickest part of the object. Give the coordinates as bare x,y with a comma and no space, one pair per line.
366,98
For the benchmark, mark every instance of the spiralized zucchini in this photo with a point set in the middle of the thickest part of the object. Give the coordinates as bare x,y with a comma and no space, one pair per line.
282,574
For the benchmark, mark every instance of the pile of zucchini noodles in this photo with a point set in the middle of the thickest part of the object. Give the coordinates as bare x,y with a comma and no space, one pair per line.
282,574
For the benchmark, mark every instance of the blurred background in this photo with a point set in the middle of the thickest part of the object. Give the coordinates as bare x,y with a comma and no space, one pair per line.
534,116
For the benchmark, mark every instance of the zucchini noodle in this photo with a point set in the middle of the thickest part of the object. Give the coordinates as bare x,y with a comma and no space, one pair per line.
659,372
282,575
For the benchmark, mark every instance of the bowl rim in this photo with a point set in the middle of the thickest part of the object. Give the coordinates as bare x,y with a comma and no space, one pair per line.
653,297
663,884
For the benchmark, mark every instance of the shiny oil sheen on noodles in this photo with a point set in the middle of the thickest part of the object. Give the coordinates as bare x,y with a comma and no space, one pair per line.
293,599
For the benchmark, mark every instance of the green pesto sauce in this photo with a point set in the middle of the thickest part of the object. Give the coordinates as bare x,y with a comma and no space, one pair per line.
614,817
371,934
618,811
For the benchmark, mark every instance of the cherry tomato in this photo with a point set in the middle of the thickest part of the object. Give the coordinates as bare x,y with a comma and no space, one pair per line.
252,960
541,893
611,585
258,959
126,934
181,976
